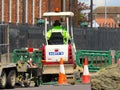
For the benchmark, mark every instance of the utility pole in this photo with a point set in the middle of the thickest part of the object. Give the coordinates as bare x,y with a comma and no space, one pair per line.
63,5
49,5
49,10
105,13
70,5
91,18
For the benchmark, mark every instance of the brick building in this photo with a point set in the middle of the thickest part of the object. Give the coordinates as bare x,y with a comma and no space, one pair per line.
26,11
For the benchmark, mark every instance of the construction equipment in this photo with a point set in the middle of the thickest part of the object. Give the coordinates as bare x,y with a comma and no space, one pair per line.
14,67
55,48
28,67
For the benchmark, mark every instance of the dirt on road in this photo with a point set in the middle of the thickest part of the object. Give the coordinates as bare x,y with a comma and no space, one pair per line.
107,78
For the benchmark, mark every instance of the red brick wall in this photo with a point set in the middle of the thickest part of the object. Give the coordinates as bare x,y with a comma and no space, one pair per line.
30,11
54,4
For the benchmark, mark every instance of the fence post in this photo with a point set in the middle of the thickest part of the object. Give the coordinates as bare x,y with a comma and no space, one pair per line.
113,56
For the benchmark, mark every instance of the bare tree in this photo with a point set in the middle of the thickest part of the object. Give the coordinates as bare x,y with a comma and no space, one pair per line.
81,17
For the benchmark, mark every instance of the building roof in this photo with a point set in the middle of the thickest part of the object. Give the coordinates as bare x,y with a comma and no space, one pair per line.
112,14
108,22
109,9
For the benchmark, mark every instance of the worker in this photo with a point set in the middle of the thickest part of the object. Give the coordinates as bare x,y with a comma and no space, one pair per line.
58,28
31,64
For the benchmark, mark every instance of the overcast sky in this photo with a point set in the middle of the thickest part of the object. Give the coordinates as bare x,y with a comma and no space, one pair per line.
102,2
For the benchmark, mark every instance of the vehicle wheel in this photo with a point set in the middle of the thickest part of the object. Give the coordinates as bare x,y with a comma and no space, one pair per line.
11,79
3,80
36,83
27,83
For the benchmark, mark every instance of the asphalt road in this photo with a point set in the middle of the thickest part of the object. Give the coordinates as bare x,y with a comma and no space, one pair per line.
57,87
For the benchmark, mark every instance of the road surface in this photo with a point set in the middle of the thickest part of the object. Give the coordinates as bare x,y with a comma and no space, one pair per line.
57,87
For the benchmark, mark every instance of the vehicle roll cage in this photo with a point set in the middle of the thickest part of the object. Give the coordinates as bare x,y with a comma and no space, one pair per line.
67,15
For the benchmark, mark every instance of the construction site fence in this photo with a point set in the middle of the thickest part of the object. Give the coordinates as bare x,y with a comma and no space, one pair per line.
22,36
97,38
97,59
4,44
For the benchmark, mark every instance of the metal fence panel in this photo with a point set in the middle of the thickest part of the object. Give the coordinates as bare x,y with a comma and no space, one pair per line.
96,59
22,36
97,39
4,44
85,38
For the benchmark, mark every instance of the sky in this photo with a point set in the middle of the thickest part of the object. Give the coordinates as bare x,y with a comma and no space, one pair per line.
97,3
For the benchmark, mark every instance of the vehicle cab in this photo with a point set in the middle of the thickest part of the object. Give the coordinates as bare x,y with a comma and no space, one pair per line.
58,36
59,27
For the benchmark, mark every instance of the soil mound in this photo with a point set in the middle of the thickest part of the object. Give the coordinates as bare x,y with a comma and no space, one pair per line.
107,78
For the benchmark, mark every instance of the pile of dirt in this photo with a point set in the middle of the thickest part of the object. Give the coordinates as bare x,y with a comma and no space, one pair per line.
107,78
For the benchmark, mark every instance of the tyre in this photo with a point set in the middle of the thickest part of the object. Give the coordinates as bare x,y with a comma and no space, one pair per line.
3,80
37,82
27,83
11,79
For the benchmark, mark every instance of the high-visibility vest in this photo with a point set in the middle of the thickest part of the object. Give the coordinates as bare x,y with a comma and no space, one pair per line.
63,31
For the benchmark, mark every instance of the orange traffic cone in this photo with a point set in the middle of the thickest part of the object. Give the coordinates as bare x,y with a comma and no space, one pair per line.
62,77
86,76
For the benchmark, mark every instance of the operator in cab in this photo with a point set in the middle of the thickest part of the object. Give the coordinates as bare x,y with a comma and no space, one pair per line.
55,32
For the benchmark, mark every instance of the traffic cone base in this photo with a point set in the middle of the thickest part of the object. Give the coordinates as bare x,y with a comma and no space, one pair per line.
62,77
86,79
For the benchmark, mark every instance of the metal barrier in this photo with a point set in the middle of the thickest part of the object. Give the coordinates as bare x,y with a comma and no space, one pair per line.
20,54
37,57
117,57
24,55
96,59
